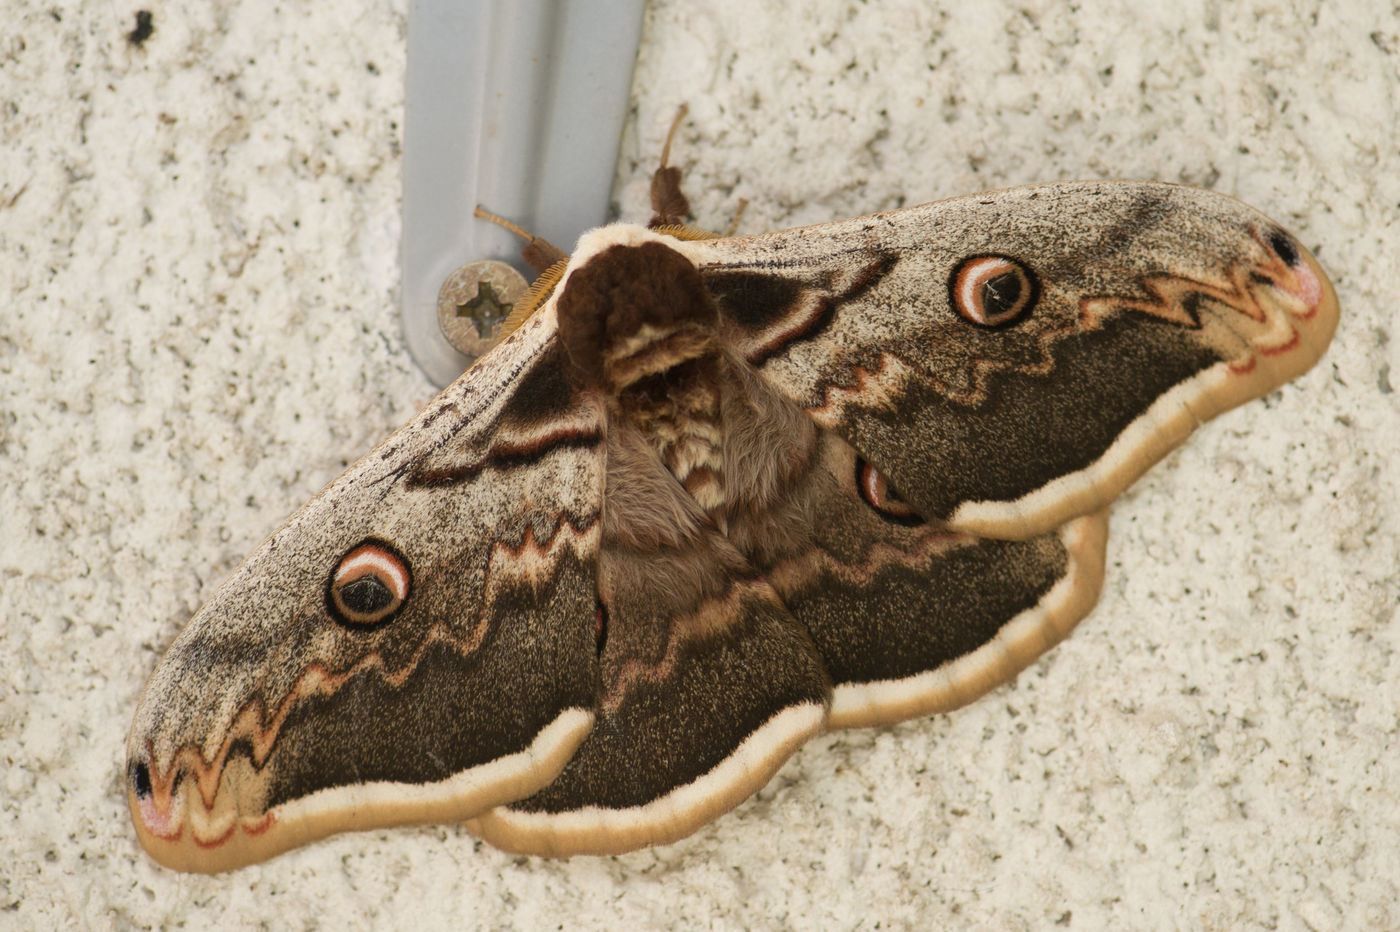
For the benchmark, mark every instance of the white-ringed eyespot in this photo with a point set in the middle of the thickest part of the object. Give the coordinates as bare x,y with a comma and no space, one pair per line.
369,585
992,291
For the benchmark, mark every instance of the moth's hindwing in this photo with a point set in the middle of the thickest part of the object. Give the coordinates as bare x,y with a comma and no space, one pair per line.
911,618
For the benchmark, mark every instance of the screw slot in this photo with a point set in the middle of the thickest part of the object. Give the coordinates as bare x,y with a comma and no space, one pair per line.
473,302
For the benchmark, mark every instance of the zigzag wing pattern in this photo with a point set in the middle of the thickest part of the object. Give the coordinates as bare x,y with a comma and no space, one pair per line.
715,496
292,706
1015,359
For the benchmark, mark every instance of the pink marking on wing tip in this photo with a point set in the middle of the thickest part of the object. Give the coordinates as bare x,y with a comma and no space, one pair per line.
1283,348
1245,367
1309,288
158,823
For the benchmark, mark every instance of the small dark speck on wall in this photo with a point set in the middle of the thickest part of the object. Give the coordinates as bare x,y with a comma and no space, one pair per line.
144,28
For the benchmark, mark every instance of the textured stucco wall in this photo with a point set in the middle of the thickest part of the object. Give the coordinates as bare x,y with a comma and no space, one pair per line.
198,251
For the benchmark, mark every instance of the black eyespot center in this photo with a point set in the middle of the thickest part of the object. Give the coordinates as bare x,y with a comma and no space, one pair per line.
368,586
881,497
1283,246
365,595
1001,293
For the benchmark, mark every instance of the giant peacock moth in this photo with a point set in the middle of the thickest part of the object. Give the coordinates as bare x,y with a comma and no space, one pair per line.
715,496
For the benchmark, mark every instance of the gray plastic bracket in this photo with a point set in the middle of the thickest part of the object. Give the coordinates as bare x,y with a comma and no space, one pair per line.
517,106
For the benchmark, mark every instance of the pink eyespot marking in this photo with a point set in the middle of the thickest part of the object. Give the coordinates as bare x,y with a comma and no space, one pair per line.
875,491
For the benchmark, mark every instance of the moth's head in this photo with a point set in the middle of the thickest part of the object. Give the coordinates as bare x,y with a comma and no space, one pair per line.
632,305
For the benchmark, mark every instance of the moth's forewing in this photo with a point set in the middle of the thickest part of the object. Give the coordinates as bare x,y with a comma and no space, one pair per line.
1013,359
301,700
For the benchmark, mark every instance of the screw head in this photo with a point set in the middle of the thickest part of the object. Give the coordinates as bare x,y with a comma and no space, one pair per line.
473,302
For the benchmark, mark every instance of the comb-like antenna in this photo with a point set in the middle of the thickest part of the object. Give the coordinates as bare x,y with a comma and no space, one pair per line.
669,206
539,253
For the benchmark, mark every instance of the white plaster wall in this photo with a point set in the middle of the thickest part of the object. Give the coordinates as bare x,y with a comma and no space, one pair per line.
198,255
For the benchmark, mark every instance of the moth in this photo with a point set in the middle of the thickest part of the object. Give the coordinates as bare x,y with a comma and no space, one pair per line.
713,497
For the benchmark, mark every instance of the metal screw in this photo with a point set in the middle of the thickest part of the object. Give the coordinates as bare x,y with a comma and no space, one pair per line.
474,300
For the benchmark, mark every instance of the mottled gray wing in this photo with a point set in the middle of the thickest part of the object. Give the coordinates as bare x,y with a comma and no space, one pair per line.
1015,359
909,617
417,643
